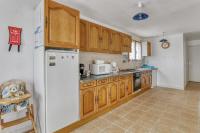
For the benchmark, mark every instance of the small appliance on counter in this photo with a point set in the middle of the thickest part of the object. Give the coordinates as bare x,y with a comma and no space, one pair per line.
82,71
99,68
115,68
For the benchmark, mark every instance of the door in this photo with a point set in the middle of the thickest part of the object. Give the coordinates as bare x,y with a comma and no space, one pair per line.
129,86
116,42
94,37
60,87
87,99
105,40
83,35
122,89
102,97
194,63
113,93
62,26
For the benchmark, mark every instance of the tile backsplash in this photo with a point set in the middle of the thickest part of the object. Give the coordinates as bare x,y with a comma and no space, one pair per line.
87,58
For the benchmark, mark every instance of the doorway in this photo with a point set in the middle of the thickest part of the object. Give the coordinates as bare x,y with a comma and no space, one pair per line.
194,63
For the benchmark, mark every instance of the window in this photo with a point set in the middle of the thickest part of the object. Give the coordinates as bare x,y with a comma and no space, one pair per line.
136,51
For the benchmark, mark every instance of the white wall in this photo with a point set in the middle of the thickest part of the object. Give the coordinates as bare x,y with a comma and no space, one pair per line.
16,65
170,62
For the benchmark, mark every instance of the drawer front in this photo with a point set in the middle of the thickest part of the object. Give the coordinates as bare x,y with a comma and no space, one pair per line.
122,77
88,84
114,79
103,81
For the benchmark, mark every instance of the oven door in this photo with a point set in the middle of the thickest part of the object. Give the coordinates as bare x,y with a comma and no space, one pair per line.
137,81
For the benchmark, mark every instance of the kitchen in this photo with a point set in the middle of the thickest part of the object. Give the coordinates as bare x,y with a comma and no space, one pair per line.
84,71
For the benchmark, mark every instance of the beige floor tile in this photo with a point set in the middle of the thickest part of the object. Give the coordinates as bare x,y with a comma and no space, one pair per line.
159,110
113,129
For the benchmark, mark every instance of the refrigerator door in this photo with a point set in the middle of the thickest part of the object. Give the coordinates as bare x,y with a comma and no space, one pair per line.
62,89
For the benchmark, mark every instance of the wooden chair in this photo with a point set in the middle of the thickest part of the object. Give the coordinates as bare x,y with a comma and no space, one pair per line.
29,114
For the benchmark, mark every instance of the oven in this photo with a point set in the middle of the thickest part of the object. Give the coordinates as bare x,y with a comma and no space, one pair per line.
137,81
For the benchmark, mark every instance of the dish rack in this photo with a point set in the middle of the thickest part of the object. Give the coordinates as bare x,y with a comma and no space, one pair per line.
16,104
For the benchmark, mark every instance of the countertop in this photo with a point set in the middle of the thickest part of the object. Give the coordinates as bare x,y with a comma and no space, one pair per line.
94,77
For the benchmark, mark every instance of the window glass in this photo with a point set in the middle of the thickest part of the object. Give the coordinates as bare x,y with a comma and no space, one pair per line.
136,51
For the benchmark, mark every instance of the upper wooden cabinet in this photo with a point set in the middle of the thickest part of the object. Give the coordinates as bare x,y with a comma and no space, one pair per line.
84,25
105,40
146,48
126,43
62,26
94,37
116,42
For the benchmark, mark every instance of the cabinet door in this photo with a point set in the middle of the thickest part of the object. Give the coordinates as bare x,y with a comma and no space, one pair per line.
83,35
94,37
113,93
105,40
143,81
129,86
127,41
62,26
116,42
122,89
87,102
102,97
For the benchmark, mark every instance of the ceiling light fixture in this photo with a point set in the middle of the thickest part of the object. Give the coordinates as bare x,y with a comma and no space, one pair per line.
141,15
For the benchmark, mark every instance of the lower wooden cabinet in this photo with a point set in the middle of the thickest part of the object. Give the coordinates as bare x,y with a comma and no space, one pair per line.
87,102
129,86
122,89
113,93
105,93
102,97
146,80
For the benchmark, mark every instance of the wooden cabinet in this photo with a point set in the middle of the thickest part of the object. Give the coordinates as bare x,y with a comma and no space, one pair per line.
122,89
146,48
105,40
113,93
94,37
62,26
126,43
99,94
146,80
102,97
116,42
130,85
87,101
84,26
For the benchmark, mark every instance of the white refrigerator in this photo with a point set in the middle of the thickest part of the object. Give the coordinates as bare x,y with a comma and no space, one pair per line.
56,88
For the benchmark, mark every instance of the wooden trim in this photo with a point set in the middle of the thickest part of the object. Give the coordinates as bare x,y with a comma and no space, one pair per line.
92,117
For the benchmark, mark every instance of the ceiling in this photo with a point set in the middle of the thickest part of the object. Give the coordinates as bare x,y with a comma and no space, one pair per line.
170,16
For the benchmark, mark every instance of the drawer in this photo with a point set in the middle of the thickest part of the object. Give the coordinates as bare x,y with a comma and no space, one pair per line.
122,77
88,84
114,79
103,81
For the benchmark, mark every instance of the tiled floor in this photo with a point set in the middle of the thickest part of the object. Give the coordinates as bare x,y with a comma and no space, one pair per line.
156,111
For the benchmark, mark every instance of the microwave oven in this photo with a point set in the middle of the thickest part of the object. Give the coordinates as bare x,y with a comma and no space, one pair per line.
100,69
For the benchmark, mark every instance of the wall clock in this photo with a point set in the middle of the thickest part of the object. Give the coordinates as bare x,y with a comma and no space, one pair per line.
165,45
164,42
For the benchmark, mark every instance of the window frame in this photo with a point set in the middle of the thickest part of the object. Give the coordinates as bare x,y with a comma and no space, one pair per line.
135,59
